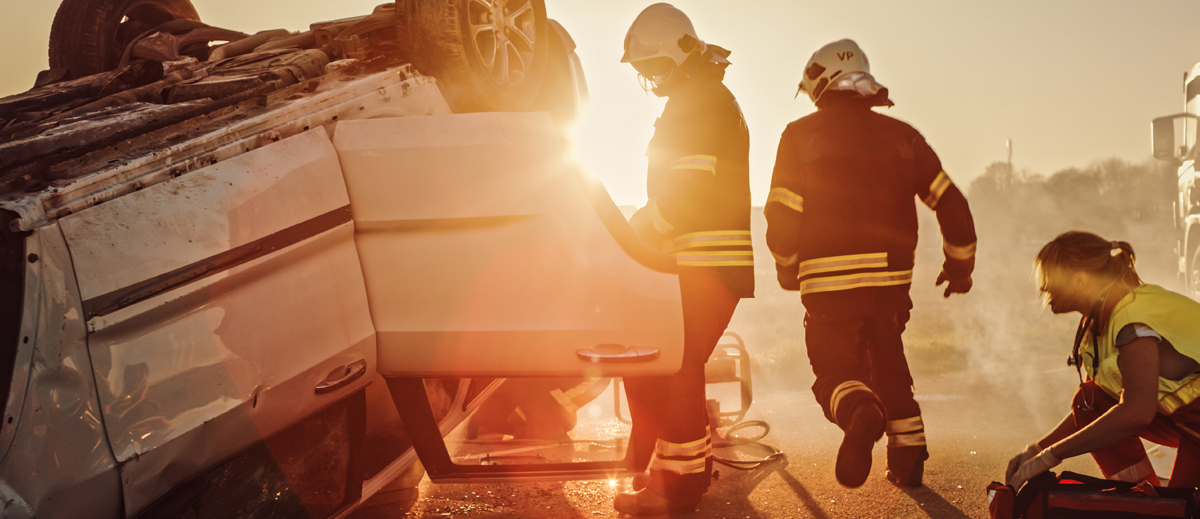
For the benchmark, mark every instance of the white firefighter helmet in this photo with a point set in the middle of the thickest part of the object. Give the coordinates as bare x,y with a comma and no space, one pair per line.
660,39
840,65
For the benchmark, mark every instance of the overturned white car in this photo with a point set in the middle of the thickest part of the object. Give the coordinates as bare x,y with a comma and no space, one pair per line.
258,275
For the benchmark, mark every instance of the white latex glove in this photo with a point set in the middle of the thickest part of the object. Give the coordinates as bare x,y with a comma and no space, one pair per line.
1043,462
1031,450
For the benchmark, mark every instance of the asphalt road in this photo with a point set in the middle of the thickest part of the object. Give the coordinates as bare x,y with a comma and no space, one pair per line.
973,429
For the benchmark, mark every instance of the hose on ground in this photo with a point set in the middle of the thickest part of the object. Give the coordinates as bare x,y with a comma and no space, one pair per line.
731,441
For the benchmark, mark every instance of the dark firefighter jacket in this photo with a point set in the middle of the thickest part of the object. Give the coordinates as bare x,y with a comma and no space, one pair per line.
841,214
698,181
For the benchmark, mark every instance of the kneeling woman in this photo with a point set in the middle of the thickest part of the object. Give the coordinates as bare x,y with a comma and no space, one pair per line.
1140,346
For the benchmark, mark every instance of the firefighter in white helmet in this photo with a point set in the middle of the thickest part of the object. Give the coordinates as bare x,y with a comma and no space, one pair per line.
699,210
842,227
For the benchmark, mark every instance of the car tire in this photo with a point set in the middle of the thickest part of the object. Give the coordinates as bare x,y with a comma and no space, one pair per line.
88,36
488,55
558,94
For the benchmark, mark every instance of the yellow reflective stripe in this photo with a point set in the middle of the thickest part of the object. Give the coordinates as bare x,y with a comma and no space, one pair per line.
689,445
718,258
836,263
693,448
788,261
709,239
905,425
906,440
560,397
660,224
936,189
714,233
1185,395
678,467
959,252
520,413
580,389
841,391
786,197
696,162
564,400
851,281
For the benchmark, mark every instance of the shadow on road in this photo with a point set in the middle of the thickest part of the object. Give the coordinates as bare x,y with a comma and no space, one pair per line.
934,504
731,493
797,488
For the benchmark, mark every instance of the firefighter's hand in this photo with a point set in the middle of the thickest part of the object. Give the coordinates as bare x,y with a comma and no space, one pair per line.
954,286
789,277
1030,451
1037,465
643,226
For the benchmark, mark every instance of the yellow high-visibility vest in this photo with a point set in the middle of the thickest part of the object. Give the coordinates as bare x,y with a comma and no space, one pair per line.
1173,316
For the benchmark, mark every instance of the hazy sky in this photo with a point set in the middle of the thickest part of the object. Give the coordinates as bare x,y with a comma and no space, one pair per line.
1069,81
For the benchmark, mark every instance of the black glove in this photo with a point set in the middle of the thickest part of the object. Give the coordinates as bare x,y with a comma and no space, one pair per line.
789,277
954,286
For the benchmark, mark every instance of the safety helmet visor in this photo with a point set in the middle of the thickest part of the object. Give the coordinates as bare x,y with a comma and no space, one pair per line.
635,51
654,67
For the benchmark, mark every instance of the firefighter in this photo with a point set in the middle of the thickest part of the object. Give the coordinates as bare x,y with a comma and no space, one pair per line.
842,227
1140,347
699,210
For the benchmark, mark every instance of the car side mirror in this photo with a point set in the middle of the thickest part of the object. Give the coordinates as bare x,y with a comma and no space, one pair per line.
1173,136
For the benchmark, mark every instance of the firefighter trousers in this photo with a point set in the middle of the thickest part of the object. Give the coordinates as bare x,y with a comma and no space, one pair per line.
1127,461
859,359
670,419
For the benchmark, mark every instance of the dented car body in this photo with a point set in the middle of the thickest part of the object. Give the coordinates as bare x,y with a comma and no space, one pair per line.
269,292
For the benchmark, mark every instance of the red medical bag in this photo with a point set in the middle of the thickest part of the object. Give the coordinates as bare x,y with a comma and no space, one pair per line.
1072,495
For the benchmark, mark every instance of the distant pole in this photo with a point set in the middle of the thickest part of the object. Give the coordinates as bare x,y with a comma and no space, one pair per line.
1008,144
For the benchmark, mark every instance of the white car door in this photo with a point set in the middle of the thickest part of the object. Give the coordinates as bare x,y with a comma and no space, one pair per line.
229,333
486,254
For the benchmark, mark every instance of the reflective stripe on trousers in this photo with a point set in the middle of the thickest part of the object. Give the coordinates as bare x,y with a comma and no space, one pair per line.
906,432
682,458
841,391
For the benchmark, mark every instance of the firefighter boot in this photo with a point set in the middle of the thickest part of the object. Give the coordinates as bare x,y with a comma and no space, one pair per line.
864,426
648,502
906,465
639,482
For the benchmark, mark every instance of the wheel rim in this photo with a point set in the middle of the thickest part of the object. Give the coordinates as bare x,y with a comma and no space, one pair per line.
503,34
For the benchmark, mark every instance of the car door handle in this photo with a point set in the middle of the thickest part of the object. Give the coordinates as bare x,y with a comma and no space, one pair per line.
342,377
617,353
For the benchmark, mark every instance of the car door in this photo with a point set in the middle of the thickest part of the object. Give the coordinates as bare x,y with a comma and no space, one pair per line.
230,335
487,254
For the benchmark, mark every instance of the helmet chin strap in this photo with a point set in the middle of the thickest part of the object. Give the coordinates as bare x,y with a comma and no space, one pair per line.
655,84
